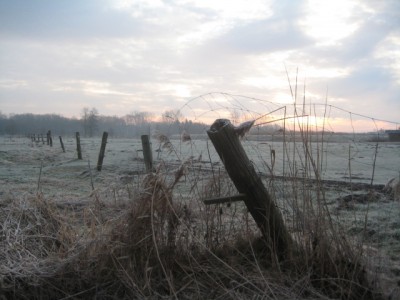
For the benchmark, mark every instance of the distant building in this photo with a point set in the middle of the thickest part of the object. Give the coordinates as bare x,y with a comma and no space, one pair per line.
394,135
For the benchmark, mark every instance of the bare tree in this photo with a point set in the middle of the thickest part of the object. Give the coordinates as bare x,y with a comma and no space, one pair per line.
171,116
138,118
90,119
85,120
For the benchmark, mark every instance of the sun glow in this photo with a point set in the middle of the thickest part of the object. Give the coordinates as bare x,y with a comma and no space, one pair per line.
329,21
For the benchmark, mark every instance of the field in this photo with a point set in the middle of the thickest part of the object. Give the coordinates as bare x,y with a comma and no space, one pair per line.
71,231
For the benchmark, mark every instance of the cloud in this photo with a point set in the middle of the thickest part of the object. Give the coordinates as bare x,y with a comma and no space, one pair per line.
73,20
329,22
155,55
272,32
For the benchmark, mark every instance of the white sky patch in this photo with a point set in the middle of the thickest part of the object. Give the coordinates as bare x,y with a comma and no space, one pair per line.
182,91
324,73
329,21
12,84
99,88
56,87
138,8
388,52
115,53
275,81
337,100
269,70
283,98
178,90
201,33
196,21
269,82
234,10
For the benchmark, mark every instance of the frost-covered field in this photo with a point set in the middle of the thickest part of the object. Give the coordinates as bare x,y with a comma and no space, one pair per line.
21,159
366,212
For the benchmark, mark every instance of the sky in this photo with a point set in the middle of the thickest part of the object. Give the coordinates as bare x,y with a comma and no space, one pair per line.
121,56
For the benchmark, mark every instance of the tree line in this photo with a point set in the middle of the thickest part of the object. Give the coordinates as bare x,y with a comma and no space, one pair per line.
91,123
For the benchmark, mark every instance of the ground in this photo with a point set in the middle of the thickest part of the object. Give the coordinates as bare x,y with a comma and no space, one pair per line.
337,176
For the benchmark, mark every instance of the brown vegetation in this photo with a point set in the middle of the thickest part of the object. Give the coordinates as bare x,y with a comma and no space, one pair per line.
146,247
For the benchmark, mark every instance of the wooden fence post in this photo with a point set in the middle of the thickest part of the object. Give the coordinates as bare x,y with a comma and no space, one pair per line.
147,154
62,144
102,151
78,145
49,139
247,181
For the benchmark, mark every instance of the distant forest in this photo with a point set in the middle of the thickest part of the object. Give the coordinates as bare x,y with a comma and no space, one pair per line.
92,124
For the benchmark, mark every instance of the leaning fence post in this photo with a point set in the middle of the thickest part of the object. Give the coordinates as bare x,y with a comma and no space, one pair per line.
62,144
247,181
147,154
78,145
102,150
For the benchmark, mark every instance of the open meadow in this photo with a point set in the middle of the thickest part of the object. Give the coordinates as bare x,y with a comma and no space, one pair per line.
70,231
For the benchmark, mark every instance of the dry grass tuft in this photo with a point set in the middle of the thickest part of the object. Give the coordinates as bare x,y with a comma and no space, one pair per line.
151,251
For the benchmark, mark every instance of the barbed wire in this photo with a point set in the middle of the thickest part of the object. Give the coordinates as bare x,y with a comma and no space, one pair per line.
338,138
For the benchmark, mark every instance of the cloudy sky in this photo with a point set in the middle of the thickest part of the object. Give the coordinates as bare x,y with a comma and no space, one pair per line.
152,55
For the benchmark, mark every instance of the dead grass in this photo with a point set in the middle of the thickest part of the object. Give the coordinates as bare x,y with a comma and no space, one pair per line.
152,251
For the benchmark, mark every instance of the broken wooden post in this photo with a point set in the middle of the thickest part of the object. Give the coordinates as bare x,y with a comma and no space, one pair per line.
147,154
62,144
102,151
48,137
78,145
41,135
247,181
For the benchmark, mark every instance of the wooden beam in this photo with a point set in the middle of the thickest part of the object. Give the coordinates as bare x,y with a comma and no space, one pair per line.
219,200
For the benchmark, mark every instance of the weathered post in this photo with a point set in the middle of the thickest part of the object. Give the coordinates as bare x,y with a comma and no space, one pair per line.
248,182
62,144
49,139
102,151
78,145
147,154
41,135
